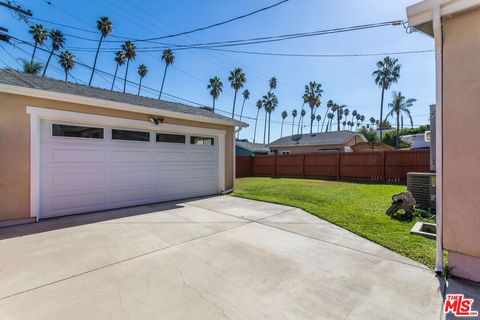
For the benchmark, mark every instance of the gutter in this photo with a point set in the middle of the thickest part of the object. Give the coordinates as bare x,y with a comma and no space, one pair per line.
438,35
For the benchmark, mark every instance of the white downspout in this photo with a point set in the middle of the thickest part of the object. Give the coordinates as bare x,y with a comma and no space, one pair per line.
438,35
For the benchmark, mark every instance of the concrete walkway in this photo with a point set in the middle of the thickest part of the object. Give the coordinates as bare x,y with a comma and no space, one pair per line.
214,258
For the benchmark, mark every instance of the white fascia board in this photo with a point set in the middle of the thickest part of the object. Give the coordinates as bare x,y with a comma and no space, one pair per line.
422,12
66,97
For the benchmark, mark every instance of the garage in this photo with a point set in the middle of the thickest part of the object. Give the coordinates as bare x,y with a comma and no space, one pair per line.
69,149
87,168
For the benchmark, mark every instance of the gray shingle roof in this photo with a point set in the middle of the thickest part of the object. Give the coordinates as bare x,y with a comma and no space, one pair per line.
15,78
253,147
324,138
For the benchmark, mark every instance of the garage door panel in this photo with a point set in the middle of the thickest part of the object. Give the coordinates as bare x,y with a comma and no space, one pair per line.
84,175
56,154
122,156
63,179
142,195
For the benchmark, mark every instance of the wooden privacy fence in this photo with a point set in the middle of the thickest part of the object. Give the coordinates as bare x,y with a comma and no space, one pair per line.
385,166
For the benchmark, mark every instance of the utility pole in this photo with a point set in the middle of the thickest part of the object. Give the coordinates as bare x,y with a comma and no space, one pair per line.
18,9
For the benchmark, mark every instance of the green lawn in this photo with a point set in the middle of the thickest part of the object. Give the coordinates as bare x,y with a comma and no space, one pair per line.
359,208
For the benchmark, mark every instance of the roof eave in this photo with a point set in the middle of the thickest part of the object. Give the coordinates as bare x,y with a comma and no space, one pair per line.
420,15
72,98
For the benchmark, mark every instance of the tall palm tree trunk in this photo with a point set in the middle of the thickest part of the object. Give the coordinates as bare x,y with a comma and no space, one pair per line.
318,127
311,120
381,113
338,122
34,50
139,86
163,81
324,117
48,61
299,120
265,128
281,130
234,101
213,104
293,125
401,121
255,130
126,73
114,77
66,76
241,114
269,115
95,61
301,127
397,138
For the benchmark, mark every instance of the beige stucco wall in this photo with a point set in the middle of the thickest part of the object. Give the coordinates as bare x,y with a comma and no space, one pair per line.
15,147
461,132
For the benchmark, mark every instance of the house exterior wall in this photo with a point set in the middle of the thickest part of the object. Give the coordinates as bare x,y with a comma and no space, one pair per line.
461,149
319,148
15,146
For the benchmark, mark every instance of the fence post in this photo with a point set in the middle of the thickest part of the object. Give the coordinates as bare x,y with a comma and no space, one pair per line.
384,165
338,165
275,165
303,165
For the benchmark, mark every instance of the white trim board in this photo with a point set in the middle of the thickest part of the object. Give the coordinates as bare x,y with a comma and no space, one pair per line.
422,12
66,97
37,114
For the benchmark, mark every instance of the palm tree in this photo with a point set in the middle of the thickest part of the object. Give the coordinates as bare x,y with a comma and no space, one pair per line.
330,104
270,103
31,67
294,115
387,73
399,106
354,115
302,115
216,87
168,57
272,83
58,41
362,119
284,116
237,80
312,95
372,121
330,117
339,115
104,25
40,36
346,112
259,107
67,61
319,117
120,58
130,53
246,96
344,124
142,72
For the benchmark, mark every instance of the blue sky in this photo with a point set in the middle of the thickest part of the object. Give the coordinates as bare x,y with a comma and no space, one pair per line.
345,80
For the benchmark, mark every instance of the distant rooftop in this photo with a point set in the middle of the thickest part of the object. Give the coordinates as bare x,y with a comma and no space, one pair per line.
314,139
253,147
20,79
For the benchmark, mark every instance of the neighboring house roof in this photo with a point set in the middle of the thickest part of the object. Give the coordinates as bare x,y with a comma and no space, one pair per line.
253,147
369,146
42,87
420,15
314,139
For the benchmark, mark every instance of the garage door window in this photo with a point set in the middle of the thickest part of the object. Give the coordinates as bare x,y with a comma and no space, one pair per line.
63,130
202,140
170,138
130,135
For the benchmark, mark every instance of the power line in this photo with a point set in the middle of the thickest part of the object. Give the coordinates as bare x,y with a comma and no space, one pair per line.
212,25
313,55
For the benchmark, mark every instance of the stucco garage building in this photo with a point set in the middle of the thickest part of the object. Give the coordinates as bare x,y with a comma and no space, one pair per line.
67,148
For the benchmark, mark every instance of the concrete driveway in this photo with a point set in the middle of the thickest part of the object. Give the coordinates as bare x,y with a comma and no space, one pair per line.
213,258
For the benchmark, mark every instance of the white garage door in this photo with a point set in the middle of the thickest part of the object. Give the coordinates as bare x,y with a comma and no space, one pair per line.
86,168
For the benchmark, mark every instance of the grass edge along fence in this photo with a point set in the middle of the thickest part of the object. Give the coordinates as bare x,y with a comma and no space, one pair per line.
374,167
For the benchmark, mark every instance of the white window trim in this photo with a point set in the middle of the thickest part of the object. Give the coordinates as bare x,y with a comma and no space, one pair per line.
285,152
37,114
